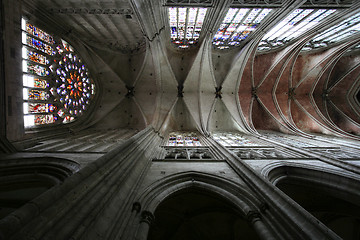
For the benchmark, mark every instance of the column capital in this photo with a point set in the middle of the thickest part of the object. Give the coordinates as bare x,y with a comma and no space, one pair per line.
253,216
147,217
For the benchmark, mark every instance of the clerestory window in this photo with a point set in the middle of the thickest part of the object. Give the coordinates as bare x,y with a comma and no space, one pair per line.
237,25
181,139
295,24
185,25
57,87
335,34
230,139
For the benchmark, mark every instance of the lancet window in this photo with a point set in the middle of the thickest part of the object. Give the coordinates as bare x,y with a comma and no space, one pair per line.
185,25
187,139
335,34
295,24
237,25
229,139
57,87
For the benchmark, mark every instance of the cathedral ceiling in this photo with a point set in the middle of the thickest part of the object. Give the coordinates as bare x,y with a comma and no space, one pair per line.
102,23
143,79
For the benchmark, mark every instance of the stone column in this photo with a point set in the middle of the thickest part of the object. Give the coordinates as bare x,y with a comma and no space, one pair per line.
136,208
146,220
259,226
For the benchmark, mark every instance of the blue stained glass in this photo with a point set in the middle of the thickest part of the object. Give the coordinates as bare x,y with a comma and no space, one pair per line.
237,26
68,82
185,25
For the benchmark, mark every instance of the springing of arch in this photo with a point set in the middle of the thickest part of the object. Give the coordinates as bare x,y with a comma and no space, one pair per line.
311,187
57,87
160,190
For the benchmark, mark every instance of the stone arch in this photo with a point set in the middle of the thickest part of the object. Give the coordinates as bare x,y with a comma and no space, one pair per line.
333,197
24,179
333,179
163,188
245,202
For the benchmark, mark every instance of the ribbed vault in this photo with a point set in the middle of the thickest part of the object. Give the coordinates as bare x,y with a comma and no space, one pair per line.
144,80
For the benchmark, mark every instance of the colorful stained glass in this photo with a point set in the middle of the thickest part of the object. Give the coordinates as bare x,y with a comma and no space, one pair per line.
70,85
75,87
36,32
44,119
185,25
37,44
33,94
68,119
38,108
67,46
34,56
33,68
30,81
237,25
183,139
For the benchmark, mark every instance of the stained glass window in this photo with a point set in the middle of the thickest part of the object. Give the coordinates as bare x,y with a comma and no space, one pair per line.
341,31
229,139
57,87
185,25
237,25
183,139
298,22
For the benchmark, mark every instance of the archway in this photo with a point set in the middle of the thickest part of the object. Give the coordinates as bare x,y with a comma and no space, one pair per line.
332,198
24,179
194,214
217,205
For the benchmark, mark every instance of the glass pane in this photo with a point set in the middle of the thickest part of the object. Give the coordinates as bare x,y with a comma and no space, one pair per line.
185,25
295,24
35,69
38,108
237,25
35,57
70,89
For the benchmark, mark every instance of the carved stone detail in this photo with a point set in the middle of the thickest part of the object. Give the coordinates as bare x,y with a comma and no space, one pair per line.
147,217
188,154
260,153
136,207
253,216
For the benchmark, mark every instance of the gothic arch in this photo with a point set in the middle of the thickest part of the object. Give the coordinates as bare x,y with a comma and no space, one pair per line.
160,190
330,178
24,179
246,204
329,195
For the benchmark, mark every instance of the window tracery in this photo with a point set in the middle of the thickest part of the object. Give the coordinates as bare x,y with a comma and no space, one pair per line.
296,23
189,2
228,139
335,34
185,25
201,153
57,87
183,139
237,25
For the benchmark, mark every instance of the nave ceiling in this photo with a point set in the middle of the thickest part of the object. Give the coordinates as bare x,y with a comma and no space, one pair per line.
143,78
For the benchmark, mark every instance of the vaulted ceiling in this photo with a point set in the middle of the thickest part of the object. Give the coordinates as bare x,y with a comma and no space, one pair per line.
143,79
